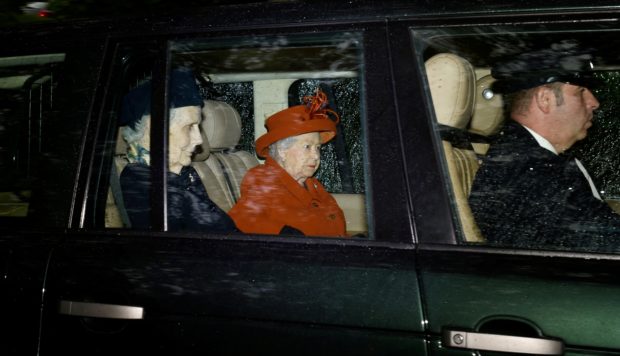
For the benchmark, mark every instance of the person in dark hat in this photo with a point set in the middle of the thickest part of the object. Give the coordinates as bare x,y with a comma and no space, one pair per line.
528,192
189,206
282,196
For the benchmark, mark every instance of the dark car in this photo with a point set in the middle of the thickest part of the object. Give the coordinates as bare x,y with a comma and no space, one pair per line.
415,276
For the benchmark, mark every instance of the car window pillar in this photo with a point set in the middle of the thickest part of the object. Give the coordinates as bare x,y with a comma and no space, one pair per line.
159,138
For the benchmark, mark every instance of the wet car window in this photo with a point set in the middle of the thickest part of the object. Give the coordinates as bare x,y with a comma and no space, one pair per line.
27,91
220,94
521,171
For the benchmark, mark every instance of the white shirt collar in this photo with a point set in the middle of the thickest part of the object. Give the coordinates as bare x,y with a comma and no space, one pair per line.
542,142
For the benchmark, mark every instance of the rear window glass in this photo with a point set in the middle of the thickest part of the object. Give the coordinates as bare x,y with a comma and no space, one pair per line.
28,87
241,83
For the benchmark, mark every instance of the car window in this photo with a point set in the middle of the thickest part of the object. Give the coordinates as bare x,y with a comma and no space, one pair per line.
513,180
240,83
28,89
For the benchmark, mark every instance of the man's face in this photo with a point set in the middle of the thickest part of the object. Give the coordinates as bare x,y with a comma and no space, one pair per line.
184,136
574,116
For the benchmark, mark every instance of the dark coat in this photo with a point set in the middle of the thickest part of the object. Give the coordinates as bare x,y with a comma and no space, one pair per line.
526,196
189,205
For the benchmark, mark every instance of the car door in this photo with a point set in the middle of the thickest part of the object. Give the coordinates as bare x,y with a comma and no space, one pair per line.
38,170
113,289
484,297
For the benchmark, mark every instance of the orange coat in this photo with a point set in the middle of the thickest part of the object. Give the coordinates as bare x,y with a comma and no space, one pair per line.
271,198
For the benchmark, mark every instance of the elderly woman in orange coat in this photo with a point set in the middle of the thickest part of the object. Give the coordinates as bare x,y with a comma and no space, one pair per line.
281,196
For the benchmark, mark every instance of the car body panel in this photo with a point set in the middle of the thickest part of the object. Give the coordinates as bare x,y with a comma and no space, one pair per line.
24,262
554,296
265,290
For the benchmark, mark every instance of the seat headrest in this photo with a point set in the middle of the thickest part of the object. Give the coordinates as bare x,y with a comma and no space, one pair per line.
452,84
488,112
221,124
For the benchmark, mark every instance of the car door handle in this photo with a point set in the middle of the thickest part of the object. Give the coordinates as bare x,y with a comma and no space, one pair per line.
100,310
502,343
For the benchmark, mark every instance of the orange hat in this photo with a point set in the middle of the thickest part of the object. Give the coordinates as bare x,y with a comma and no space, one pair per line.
313,116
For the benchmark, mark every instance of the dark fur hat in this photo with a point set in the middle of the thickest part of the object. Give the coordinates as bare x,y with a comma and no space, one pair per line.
137,103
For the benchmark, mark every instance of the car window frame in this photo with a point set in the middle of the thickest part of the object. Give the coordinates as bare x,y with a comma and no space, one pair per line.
389,228
446,237
57,210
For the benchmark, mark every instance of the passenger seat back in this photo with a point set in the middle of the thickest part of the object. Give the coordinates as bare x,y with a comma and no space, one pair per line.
452,84
225,166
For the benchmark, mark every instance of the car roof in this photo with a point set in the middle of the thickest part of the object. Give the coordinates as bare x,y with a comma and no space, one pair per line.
430,14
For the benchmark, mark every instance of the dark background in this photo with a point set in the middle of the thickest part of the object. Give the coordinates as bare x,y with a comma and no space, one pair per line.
11,13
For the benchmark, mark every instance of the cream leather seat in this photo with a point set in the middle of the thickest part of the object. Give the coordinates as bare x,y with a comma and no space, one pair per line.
452,83
221,165
115,214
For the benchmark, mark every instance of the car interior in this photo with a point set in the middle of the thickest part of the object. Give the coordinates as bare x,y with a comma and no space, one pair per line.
226,80
468,113
27,85
243,83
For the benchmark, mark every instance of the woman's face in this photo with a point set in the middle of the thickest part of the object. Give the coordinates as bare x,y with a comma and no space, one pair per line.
302,158
184,136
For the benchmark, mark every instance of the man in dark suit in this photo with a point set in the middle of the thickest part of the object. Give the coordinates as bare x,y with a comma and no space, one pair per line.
528,192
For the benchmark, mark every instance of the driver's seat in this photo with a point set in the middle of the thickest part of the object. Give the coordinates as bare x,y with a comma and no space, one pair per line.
453,86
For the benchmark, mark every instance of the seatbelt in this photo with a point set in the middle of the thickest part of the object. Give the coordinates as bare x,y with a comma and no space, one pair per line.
344,167
115,186
231,187
460,138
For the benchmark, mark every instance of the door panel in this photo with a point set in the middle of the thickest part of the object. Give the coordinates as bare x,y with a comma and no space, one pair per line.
573,301
201,294
189,294
23,261
568,297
